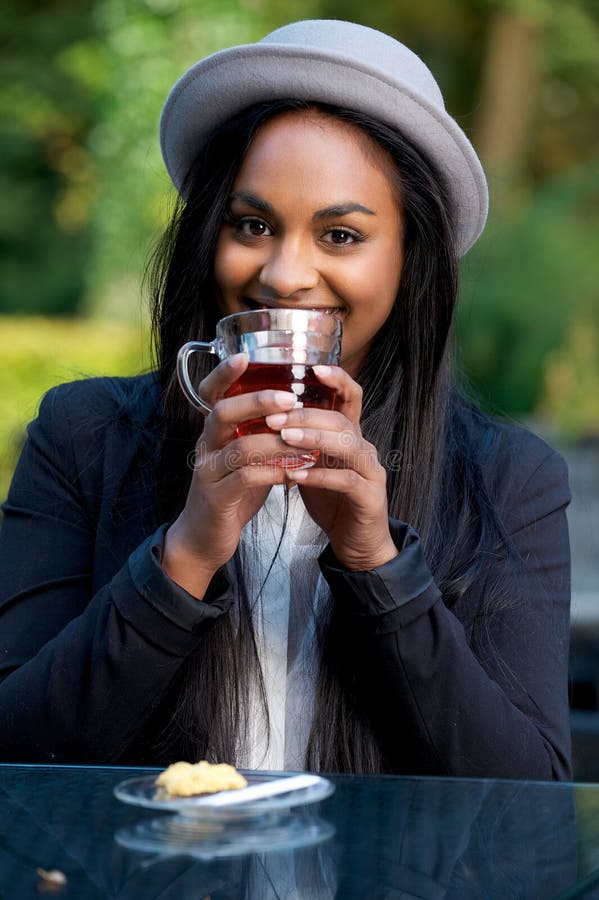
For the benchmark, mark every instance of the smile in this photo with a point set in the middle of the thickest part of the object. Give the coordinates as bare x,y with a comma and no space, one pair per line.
255,305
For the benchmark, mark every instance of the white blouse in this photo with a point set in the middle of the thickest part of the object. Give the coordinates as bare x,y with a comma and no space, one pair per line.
293,596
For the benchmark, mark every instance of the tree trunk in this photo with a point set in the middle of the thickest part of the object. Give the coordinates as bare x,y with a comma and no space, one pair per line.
508,91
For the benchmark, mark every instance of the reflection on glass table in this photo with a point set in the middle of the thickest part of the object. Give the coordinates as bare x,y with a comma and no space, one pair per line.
375,838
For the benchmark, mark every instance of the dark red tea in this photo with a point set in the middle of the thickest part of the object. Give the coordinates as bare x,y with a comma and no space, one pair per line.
298,379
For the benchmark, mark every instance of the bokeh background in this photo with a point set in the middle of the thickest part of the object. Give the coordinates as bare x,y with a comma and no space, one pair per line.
84,196
84,193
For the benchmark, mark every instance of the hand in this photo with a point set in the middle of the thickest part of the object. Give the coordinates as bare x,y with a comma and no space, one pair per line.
346,493
231,480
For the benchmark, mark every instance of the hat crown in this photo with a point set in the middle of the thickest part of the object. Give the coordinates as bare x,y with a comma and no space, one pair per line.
362,45
342,64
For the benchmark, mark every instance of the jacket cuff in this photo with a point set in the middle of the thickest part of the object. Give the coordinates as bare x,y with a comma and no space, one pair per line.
167,597
392,595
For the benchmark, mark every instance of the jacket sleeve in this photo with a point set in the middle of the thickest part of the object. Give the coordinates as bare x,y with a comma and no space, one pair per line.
81,672
443,707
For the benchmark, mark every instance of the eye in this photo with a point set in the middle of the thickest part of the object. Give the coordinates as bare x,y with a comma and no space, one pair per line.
251,227
342,237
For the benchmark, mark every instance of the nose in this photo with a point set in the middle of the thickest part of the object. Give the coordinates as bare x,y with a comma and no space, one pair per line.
289,269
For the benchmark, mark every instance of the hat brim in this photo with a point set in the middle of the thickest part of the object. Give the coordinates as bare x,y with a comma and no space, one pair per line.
223,84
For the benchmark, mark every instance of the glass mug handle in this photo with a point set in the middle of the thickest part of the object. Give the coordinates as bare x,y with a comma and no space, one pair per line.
183,371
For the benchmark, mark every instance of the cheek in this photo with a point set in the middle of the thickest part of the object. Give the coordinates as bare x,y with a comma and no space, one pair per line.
388,277
373,287
220,265
226,265
234,266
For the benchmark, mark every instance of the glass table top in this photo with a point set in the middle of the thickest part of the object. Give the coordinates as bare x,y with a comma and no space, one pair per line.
375,838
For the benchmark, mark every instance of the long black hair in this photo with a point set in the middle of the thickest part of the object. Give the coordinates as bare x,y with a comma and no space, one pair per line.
413,412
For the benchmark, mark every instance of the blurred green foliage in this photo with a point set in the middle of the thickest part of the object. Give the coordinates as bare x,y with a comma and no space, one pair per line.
81,89
85,192
38,353
571,384
531,278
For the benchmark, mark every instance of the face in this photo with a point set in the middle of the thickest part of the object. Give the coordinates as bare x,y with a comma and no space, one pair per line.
314,222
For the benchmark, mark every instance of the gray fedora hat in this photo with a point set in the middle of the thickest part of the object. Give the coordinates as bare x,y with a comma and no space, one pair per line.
335,62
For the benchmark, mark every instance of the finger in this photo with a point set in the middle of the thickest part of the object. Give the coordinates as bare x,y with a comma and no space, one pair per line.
339,481
229,412
248,477
237,485
310,417
226,373
348,399
250,451
346,448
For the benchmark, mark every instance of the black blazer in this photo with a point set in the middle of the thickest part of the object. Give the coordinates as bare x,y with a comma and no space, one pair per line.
93,632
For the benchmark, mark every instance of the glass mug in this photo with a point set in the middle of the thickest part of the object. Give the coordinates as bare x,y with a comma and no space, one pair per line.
282,346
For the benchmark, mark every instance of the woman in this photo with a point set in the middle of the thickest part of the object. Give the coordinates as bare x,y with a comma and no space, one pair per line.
401,607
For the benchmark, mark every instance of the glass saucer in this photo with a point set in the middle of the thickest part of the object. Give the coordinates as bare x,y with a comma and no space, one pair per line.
142,791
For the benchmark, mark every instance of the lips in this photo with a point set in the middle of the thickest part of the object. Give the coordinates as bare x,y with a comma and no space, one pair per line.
262,304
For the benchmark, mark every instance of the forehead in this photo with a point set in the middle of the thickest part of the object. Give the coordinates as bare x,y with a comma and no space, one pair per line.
323,151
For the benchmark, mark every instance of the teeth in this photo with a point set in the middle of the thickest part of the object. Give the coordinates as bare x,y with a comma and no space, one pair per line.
253,304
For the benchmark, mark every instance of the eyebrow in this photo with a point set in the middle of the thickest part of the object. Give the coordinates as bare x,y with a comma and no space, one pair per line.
342,209
251,200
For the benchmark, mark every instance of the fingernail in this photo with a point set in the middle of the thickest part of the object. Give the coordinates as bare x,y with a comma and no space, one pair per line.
236,358
292,434
276,420
297,474
284,398
322,370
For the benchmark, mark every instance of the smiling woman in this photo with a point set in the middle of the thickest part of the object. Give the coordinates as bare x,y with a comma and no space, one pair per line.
167,590
314,222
